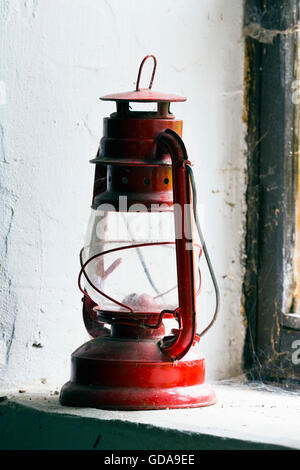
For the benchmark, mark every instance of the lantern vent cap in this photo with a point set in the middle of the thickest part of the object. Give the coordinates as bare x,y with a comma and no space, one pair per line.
144,95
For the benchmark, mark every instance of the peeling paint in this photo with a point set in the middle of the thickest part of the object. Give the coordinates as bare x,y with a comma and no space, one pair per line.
295,294
2,148
266,36
27,8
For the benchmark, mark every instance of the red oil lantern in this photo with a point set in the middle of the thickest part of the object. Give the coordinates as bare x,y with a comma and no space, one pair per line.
138,272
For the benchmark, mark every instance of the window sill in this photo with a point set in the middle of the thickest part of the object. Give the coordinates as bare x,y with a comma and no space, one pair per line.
247,416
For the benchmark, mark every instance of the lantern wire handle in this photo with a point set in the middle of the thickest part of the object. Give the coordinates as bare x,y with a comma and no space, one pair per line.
140,72
205,251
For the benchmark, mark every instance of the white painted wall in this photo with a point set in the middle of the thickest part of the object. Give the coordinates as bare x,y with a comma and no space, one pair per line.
57,58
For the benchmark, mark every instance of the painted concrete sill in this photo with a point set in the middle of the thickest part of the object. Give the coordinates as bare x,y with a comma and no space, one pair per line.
247,416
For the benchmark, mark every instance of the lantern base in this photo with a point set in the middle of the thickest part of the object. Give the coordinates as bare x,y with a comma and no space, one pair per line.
136,398
127,374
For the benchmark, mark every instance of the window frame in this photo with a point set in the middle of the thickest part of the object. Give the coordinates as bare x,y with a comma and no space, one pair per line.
271,71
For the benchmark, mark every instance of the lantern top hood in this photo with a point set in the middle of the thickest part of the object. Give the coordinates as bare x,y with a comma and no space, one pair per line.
144,95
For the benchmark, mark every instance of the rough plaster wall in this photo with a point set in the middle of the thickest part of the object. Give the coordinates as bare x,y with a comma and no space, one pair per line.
57,58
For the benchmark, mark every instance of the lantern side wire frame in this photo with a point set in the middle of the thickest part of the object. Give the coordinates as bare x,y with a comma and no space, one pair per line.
136,246
84,265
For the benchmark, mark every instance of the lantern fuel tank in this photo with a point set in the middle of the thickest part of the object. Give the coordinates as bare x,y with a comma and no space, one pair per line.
139,271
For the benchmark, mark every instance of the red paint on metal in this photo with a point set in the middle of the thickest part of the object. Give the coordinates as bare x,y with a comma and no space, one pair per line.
182,342
144,96
119,373
133,365
112,398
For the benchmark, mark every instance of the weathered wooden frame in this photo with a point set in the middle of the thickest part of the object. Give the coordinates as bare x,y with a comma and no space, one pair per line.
272,247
